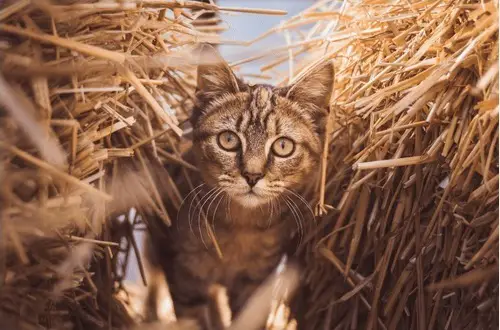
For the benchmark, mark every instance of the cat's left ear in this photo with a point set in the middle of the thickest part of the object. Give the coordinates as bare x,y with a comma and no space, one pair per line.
315,87
214,74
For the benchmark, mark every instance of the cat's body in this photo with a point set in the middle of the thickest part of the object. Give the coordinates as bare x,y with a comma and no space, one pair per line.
248,249
255,147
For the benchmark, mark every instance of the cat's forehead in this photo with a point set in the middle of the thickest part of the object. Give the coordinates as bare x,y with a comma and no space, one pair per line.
262,97
259,110
262,103
255,100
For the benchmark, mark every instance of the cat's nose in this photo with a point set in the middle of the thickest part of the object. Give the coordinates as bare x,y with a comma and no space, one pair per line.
252,178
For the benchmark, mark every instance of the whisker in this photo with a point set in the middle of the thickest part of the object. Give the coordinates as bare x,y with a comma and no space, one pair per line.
271,206
198,201
300,217
219,192
195,198
298,210
261,209
182,203
224,195
303,200
297,221
217,205
205,199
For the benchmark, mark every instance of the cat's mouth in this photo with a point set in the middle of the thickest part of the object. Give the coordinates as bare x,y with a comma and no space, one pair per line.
251,192
247,195
250,197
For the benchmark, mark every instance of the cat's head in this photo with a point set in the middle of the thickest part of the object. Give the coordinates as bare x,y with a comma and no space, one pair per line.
258,142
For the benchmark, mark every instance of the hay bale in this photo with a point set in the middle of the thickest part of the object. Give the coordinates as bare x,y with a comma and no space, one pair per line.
407,235
408,232
85,84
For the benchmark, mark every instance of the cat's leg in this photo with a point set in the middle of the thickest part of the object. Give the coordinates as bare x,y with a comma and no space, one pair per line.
297,301
297,304
192,300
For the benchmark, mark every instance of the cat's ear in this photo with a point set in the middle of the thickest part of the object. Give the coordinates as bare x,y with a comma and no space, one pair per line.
315,87
214,74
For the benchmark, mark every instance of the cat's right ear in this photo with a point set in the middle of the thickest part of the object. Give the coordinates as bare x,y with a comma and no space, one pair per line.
315,87
214,74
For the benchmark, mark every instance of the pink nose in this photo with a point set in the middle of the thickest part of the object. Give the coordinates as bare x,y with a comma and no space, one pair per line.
252,178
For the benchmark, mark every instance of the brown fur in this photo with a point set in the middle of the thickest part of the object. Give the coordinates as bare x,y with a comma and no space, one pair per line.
252,226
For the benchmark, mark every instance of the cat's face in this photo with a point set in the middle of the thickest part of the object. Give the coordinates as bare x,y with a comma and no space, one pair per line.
258,142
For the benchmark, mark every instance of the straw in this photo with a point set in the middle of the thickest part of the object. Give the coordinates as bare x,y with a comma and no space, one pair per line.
407,195
91,97
411,163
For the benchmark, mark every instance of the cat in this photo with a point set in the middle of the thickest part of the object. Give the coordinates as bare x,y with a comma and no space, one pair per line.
256,147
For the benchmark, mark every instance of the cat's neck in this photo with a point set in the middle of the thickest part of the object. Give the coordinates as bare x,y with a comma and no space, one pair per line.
263,216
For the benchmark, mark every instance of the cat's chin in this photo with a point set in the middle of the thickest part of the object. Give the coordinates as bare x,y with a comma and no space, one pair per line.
250,200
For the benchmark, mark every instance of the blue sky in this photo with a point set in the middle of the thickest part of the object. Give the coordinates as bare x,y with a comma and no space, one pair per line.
244,27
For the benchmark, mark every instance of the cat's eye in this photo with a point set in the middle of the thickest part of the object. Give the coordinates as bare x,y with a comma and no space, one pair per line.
228,141
283,147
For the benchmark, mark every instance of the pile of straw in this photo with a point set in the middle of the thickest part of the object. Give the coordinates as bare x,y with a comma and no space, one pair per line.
84,86
407,232
407,236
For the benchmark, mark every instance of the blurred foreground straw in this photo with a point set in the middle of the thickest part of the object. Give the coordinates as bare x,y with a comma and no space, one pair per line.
94,96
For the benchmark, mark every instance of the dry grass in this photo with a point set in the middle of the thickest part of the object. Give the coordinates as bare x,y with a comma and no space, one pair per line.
407,233
93,96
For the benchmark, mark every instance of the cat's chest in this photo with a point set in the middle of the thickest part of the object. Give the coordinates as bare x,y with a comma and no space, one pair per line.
233,252
246,244
247,251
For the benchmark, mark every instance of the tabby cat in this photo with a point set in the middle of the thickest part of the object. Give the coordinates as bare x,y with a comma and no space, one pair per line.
255,147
